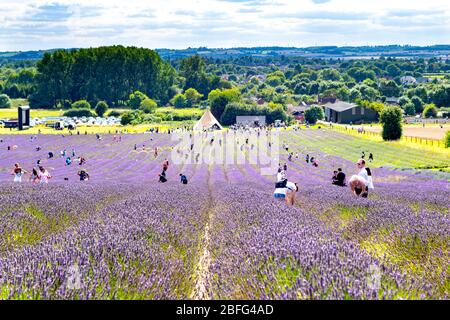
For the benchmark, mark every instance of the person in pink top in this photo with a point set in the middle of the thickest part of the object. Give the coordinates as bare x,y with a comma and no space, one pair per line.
43,175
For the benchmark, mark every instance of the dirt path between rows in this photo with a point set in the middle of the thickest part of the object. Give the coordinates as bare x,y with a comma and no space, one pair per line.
202,273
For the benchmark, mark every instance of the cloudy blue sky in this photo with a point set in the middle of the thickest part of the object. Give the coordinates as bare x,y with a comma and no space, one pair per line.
42,24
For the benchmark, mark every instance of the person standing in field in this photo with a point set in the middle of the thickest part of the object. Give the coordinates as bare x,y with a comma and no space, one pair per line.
43,175
18,173
82,161
156,152
291,193
370,157
34,178
366,174
165,165
281,175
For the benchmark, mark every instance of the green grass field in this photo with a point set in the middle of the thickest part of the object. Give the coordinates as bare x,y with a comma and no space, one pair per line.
399,154
11,113
163,127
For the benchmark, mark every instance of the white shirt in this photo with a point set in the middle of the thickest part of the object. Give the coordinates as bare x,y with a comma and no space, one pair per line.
281,176
289,186
18,177
368,179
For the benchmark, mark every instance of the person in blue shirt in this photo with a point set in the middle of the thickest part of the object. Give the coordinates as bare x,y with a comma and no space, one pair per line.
183,179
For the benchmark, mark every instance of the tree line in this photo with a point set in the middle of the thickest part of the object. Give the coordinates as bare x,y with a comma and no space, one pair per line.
101,74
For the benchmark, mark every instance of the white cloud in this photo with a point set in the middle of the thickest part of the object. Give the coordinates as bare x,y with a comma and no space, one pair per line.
41,24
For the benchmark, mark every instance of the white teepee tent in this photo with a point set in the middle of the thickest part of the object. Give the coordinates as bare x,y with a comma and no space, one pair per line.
208,122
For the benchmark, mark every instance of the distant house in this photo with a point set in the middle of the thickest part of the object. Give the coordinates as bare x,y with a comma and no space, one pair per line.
427,79
392,100
298,112
251,121
326,99
424,80
344,112
408,80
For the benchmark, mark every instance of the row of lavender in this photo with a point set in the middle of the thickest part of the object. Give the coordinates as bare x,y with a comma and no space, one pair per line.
141,247
143,239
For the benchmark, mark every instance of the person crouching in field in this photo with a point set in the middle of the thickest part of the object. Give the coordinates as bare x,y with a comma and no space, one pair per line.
358,185
84,176
366,174
162,177
338,178
183,179
286,190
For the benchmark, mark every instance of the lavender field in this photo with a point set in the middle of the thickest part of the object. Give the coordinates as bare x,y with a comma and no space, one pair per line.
123,235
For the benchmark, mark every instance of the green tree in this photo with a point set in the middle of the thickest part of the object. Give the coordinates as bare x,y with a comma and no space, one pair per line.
430,111
330,74
5,102
179,101
148,105
343,94
410,109
447,139
391,119
192,97
218,100
368,93
361,74
193,70
131,117
79,113
313,114
81,104
393,71
104,73
389,88
441,96
276,113
135,99
354,94
403,100
418,104
101,108
232,110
